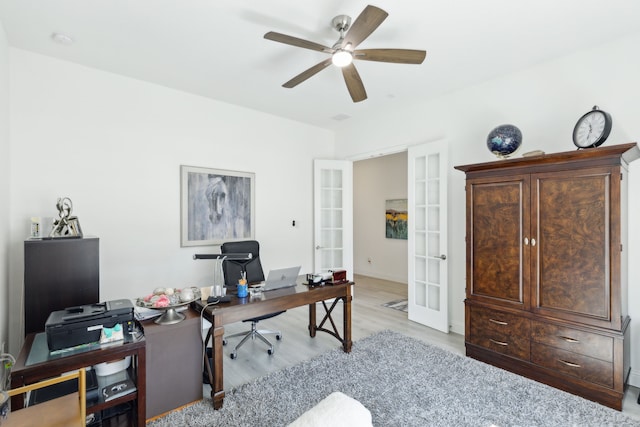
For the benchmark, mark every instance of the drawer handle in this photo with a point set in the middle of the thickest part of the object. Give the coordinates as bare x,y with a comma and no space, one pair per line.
499,342
573,365
498,322
567,339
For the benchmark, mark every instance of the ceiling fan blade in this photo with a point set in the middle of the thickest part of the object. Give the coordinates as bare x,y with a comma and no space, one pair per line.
308,73
365,24
399,56
294,41
354,83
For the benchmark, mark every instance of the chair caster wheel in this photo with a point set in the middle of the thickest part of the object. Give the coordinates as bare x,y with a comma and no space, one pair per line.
278,337
233,355
224,342
270,351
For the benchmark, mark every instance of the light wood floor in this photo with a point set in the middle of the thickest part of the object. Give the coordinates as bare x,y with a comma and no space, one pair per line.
368,316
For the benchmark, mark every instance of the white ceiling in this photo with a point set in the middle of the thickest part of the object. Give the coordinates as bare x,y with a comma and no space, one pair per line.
216,49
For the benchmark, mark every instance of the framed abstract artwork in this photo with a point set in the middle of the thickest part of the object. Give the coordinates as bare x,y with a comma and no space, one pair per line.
216,206
396,219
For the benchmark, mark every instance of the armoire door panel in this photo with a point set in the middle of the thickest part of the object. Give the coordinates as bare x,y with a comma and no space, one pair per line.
496,239
572,217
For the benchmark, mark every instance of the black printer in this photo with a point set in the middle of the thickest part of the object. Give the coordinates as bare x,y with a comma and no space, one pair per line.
83,324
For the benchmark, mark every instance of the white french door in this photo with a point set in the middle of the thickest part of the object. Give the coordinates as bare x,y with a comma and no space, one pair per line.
333,215
427,238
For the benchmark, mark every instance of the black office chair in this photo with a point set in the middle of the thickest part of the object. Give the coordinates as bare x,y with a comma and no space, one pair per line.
232,272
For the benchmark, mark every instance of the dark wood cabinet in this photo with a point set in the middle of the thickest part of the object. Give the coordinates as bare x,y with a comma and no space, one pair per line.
546,269
174,366
58,273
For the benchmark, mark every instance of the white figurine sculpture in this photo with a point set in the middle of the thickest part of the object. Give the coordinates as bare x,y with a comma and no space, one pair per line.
66,225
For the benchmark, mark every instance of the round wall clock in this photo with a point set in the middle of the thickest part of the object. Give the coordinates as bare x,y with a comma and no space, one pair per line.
592,129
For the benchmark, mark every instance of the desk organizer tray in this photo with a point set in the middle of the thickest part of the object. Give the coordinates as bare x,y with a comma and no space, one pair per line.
83,324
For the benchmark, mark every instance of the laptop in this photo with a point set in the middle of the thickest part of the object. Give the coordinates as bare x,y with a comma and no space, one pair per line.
281,278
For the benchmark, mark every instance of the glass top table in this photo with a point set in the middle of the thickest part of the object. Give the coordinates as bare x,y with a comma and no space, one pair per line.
39,352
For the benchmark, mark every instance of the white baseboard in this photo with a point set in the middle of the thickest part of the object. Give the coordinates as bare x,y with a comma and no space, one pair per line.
634,378
376,275
457,328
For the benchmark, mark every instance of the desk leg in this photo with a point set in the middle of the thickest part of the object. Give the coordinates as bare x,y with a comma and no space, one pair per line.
312,320
17,401
345,339
346,321
207,365
141,383
217,385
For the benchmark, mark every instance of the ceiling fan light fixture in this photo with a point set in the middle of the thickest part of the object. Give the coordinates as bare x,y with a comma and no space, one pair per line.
342,58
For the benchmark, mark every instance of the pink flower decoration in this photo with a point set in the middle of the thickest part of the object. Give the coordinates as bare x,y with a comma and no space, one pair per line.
163,301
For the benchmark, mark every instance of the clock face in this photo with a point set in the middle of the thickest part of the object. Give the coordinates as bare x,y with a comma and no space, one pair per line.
592,129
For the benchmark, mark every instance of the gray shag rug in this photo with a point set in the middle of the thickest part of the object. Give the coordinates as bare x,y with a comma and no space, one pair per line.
403,382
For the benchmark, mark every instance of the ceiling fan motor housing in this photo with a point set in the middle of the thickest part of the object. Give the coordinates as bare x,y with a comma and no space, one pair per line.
341,23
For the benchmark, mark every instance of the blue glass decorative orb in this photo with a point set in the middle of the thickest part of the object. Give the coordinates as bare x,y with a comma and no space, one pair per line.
504,140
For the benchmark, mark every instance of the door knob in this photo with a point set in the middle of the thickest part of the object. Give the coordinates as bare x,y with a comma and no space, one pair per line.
318,247
442,257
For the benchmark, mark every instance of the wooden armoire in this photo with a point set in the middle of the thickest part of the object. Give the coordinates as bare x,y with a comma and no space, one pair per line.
546,279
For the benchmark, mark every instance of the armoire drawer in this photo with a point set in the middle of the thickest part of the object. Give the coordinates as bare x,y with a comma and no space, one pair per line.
499,321
569,363
499,331
581,342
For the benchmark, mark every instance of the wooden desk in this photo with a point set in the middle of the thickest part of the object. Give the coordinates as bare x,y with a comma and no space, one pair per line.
239,309
35,363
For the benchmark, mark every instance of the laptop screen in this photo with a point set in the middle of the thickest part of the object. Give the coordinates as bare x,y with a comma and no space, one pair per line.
281,278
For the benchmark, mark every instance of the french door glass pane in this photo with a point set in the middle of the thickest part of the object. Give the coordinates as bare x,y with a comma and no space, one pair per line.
420,196
434,218
421,294
434,165
433,191
420,269
434,244
434,297
420,220
421,170
421,244
434,271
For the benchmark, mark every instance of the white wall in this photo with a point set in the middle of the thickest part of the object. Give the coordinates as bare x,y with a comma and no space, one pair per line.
4,185
114,145
544,102
375,181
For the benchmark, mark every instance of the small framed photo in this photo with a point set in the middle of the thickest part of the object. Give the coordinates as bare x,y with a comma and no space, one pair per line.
216,206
